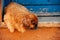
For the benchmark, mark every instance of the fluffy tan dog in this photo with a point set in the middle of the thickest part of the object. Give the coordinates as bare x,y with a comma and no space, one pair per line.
19,18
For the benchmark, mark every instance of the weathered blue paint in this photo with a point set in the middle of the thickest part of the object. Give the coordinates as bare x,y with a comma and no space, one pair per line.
37,5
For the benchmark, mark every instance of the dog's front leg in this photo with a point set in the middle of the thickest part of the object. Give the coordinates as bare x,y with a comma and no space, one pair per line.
22,29
10,27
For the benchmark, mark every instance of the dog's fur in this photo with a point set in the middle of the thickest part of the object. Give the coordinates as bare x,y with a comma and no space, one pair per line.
18,17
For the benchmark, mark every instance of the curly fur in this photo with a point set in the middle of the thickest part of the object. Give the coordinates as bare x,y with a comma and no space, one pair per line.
18,17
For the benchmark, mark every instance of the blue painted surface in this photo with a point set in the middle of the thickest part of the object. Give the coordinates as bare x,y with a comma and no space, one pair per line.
6,2
37,1
37,5
44,8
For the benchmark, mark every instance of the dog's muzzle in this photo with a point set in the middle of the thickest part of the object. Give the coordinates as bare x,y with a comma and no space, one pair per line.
34,26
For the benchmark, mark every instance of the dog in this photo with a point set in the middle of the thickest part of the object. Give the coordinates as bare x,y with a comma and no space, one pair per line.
19,18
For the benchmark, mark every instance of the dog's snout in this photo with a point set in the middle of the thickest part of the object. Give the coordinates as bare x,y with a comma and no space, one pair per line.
31,26
34,26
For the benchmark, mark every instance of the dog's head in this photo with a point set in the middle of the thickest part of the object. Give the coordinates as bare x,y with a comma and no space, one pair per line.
31,21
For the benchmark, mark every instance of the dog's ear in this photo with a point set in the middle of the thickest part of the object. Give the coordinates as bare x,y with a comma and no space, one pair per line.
33,17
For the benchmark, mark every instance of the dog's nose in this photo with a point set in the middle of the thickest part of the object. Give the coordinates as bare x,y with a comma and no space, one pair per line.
34,26
31,26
